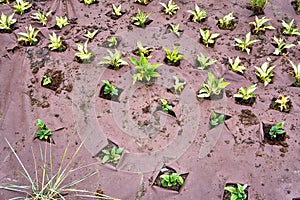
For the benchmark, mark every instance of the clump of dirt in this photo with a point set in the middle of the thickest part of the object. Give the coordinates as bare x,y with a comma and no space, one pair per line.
248,118
57,77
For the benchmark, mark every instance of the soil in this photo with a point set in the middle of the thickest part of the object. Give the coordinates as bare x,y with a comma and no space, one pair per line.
233,152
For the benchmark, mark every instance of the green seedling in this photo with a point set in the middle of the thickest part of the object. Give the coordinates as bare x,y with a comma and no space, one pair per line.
281,46
226,22
264,73
44,132
175,29
246,93
178,86
114,60
276,130
112,156
89,2
173,57
110,89
216,119
205,62
298,6
112,42
4,1
46,182
198,15
169,180
21,6
142,50
61,22
258,6
140,19
91,35
145,70
116,11
170,8
47,80
207,38
245,45
296,72
235,65
41,16
213,86
83,54
282,101
288,28
260,26
143,2
29,37
167,108
56,43
7,21
237,194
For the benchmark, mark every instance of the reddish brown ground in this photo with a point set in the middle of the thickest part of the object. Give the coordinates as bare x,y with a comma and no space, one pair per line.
231,153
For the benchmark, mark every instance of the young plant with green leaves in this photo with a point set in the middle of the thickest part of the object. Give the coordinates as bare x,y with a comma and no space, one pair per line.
238,193
43,133
41,16
296,73
91,35
226,22
170,180
170,8
213,86
205,62
29,37
288,28
47,80
116,11
61,22
245,45
259,25
110,89
143,2
89,2
235,65
50,183
283,102
207,38
173,57
7,21
281,46
145,70
264,73
83,54
258,6
178,86
167,108
56,43
4,1
197,14
20,6
216,119
112,42
298,6
113,156
276,130
246,93
140,19
142,50
114,60
174,28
